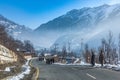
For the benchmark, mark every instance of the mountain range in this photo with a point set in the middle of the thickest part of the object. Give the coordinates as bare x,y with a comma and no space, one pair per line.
87,24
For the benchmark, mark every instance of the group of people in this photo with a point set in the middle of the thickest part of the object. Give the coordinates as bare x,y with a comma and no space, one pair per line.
50,61
101,58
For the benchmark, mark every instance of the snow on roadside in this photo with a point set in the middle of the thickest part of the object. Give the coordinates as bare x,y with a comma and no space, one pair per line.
19,76
81,63
77,60
8,69
113,67
117,68
108,66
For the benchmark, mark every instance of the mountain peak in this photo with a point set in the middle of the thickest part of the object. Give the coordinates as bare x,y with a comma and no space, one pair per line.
13,28
78,20
105,5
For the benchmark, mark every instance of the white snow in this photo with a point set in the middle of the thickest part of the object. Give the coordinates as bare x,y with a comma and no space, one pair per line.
7,69
47,54
109,66
19,76
76,60
55,55
113,67
81,63
117,68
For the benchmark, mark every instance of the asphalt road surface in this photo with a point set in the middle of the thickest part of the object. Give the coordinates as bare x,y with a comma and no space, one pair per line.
58,72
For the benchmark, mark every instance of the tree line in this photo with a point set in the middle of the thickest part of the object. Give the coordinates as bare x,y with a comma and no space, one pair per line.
106,53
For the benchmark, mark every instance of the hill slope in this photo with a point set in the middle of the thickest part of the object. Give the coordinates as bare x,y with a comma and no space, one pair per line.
86,23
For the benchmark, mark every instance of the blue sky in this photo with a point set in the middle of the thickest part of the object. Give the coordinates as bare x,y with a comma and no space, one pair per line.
32,13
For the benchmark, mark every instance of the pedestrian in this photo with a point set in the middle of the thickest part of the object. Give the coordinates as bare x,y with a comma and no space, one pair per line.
101,58
93,58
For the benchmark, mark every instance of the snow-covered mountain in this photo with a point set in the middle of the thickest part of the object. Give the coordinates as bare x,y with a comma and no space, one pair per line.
89,24
77,19
14,29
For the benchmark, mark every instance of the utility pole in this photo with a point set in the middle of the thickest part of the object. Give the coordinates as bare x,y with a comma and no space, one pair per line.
55,48
81,51
119,48
69,47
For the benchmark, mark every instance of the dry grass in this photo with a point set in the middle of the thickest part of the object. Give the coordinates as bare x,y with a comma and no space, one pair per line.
15,70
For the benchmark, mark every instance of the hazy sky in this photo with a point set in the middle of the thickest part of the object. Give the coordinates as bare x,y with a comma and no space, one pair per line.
32,13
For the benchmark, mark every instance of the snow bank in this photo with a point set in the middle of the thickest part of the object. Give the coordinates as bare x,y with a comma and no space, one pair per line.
81,63
109,66
117,68
26,70
77,60
113,67
7,69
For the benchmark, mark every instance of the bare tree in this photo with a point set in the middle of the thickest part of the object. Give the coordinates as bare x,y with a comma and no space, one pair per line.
9,42
87,54
110,49
109,46
69,47
114,55
101,57
64,52
29,47
104,48
81,49
3,36
55,49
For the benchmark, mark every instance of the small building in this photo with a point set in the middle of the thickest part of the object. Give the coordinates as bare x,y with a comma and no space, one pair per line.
27,56
56,58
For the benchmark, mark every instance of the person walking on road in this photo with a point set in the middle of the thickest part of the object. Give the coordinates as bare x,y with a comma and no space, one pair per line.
101,58
93,58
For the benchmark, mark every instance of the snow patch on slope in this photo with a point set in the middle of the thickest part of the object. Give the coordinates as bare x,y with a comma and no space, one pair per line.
20,76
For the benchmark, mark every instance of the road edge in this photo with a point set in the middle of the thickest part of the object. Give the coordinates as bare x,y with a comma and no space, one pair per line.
37,70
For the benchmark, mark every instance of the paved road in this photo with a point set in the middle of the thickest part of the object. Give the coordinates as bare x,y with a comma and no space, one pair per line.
57,72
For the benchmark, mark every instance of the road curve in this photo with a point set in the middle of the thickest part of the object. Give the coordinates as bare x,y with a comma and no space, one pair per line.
58,72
